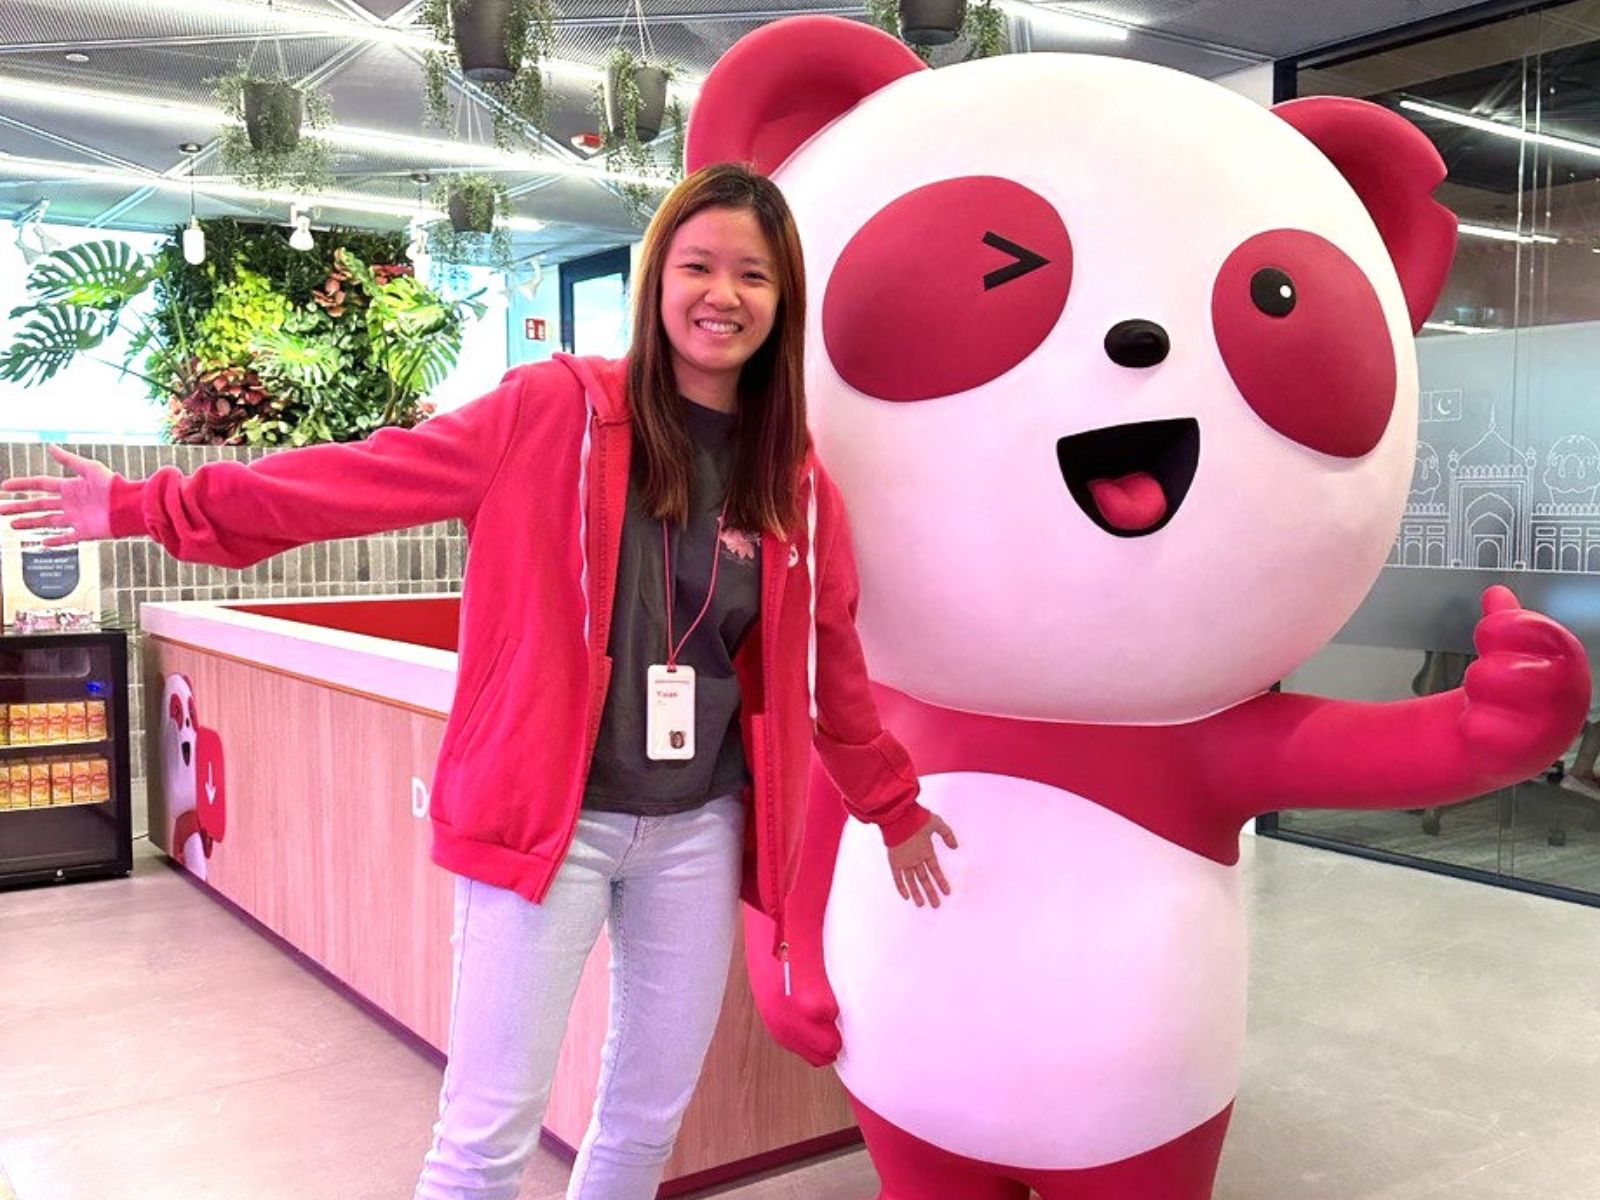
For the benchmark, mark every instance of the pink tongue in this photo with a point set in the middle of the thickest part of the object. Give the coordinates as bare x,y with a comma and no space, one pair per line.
1133,502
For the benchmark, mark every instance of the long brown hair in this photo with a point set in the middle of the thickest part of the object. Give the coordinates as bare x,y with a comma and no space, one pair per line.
763,493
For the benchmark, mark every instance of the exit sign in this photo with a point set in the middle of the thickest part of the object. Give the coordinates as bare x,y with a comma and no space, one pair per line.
533,329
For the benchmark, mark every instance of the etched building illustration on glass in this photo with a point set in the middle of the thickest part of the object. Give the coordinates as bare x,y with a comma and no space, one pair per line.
1495,505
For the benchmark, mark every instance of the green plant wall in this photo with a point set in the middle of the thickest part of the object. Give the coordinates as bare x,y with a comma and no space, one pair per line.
260,344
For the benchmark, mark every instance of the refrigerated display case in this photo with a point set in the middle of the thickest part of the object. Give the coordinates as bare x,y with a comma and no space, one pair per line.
65,809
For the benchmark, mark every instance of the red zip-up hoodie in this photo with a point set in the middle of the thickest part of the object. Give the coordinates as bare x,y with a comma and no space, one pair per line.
538,472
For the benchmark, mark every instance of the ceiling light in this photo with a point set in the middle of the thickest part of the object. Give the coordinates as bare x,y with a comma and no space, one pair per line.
194,238
301,238
433,150
1501,128
1069,24
31,239
225,188
496,297
41,246
76,56
194,243
530,286
1452,327
1507,235
302,20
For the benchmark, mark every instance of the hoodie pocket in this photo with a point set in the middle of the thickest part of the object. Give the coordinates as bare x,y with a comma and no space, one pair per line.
489,691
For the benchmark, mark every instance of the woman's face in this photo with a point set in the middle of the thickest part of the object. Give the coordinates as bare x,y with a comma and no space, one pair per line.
719,295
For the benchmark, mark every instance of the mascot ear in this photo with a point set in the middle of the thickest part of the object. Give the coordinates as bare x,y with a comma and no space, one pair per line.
1393,168
786,81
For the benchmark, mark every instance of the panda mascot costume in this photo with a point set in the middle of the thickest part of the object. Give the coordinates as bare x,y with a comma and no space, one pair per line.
1115,371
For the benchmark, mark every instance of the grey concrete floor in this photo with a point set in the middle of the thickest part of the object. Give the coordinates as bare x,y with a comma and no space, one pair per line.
1411,1036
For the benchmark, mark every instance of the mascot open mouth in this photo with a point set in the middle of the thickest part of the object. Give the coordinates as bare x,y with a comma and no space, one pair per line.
1131,479
188,752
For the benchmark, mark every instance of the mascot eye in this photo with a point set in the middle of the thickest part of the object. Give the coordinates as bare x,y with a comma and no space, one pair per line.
1316,364
946,288
192,721
1273,291
175,710
1025,261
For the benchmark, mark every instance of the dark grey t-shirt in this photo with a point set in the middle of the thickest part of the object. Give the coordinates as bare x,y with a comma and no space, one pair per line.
621,778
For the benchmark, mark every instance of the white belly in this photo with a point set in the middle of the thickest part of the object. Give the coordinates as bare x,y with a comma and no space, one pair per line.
1078,1000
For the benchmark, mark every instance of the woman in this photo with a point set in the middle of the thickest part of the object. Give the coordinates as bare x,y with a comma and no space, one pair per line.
645,668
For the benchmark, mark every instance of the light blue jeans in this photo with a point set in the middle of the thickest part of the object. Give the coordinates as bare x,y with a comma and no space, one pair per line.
669,887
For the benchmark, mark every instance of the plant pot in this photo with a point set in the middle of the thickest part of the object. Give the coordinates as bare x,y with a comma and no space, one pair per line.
652,85
273,113
931,22
462,218
480,28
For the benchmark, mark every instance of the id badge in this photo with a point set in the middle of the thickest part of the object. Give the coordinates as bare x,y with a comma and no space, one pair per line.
669,713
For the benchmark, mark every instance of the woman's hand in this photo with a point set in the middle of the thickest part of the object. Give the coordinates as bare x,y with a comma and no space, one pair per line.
79,502
915,863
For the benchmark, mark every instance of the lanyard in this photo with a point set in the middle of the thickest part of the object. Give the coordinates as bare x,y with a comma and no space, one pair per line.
711,590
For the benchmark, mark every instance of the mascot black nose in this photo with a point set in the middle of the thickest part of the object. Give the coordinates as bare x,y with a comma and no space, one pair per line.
1137,344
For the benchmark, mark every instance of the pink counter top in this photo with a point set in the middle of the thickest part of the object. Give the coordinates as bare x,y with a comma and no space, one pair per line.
396,648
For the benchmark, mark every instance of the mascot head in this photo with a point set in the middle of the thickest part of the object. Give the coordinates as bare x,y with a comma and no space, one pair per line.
191,765
1113,366
179,737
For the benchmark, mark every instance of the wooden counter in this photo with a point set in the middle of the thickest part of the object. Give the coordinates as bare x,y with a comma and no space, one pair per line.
329,716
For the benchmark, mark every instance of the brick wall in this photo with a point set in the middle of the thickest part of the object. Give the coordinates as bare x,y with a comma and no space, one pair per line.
425,559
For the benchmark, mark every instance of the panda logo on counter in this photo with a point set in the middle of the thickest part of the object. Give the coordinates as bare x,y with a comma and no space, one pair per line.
1115,371
192,778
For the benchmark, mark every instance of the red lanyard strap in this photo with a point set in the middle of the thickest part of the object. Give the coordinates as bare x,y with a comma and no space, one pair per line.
711,590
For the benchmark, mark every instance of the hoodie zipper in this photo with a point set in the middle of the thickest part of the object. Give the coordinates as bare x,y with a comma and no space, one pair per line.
774,578
600,569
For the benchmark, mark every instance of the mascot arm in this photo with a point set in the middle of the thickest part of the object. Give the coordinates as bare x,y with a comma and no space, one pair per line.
1519,707
791,989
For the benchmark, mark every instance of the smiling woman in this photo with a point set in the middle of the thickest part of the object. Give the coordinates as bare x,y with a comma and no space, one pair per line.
648,515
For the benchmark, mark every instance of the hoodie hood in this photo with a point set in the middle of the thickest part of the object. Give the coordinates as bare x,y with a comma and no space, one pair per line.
605,384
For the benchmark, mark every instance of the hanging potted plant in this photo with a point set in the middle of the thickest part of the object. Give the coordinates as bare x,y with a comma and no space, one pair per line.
481,32
931,22
267,145
499,45
473,202
985,30
635,96
631,118
274,111
473,232
924,24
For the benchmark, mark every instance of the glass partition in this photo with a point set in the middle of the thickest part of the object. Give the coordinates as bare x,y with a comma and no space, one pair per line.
1506,487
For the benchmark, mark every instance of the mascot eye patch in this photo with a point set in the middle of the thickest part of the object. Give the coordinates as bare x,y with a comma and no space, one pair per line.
1304,335
946,288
